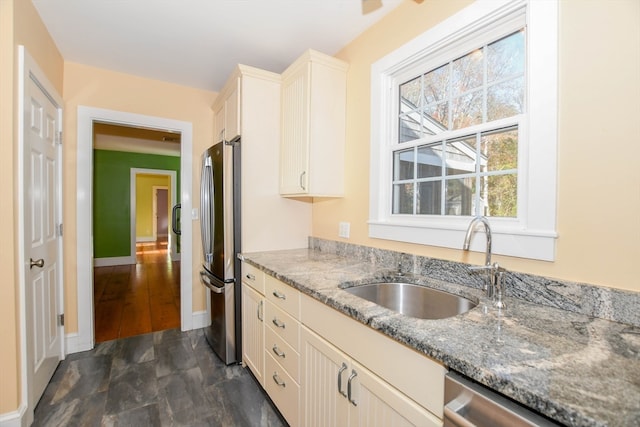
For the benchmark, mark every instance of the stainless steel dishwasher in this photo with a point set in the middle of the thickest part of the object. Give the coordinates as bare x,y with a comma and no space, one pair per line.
469,404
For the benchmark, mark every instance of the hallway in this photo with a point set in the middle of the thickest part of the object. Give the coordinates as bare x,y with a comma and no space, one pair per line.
137,299
167,378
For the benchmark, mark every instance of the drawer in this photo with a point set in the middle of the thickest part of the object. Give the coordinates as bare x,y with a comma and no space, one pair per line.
283,295
282,390
282,324
253,277
283,353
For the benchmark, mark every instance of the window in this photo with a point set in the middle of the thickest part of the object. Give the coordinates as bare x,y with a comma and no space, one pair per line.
464,124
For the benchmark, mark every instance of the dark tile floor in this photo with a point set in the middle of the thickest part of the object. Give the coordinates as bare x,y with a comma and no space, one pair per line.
167,378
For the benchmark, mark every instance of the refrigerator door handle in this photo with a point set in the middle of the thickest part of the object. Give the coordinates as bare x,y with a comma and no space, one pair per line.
174,219
206,213
209,283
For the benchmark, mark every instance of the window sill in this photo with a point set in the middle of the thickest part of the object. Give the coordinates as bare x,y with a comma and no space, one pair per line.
506,240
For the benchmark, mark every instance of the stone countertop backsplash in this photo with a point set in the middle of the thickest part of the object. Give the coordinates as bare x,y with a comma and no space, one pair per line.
569,351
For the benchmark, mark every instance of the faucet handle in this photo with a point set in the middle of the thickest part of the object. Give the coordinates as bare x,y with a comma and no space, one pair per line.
499,285
480,268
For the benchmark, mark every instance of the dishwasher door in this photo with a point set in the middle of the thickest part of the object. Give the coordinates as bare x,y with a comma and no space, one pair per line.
469,404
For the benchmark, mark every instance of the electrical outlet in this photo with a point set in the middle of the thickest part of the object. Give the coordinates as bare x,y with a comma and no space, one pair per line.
343,229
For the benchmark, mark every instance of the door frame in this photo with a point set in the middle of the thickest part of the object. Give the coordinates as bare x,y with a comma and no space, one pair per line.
134,208
87,116
154,209
29,69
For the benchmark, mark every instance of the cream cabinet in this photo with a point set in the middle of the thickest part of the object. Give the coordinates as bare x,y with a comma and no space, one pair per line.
337,391
313,126
249,106
227,113
282,348
253,320
322,368
380,381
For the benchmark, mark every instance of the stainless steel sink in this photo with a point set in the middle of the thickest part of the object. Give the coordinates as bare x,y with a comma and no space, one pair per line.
413,300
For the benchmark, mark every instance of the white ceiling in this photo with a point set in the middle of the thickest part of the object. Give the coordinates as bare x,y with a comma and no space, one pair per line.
198,43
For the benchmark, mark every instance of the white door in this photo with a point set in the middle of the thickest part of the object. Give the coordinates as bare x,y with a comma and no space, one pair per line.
41,157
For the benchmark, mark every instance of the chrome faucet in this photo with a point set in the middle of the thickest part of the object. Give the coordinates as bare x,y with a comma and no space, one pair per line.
487,268
493,283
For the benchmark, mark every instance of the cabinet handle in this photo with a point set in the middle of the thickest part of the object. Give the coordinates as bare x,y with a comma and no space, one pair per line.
278,352
342,369
278,381
250,276
302,180
351,377
279,295
260,310
278,323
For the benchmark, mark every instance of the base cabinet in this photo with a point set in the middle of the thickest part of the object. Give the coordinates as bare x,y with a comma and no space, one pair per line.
323,369
253,331
338,391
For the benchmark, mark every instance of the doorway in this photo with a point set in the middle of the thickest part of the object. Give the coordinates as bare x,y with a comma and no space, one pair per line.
87,119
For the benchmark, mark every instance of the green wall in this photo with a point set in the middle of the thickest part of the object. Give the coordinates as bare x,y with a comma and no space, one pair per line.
112,197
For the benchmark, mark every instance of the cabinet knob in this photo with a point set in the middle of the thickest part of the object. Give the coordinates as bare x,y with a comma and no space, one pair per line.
278,380
279,295
278,352
350,396
342,369
278,323
302,181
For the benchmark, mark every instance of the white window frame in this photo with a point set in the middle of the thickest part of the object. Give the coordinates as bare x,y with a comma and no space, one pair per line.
533,233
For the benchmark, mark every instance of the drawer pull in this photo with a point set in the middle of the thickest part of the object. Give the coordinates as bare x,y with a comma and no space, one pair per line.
278,323
261,311
279,295
351,377
278,381
250,276
342,369
278,352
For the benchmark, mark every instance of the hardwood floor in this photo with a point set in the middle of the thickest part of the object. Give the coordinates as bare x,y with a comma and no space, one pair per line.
137,299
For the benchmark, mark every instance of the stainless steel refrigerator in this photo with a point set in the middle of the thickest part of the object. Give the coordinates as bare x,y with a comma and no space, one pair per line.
220,227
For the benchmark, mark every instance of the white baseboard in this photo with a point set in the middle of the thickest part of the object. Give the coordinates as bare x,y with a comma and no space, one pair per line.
17,418
201,319
118,260
145,239
75,344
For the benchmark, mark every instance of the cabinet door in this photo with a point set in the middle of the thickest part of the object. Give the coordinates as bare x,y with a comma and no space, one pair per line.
218,123
324,371
294,149
374,403
253,331
232,117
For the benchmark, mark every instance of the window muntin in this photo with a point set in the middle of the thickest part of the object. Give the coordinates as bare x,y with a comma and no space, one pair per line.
483,89
478,175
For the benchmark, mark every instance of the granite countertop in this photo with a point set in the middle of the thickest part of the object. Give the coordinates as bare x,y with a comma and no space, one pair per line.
575,369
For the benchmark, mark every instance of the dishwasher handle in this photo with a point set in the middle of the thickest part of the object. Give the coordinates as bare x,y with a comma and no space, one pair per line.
452,412
470,404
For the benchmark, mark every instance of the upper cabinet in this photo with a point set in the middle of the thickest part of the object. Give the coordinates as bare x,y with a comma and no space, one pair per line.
313,127
227,112
249,106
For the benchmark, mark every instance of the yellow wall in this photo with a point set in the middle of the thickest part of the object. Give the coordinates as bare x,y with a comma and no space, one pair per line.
19,25
99,88
144,202
599,141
